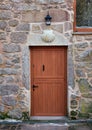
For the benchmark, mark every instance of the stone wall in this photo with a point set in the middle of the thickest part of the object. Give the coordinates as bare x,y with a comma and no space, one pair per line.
82,51
14,94
19,18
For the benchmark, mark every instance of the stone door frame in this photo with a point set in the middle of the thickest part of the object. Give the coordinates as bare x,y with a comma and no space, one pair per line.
26,69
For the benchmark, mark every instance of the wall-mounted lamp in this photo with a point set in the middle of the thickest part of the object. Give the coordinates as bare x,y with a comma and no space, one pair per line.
48,19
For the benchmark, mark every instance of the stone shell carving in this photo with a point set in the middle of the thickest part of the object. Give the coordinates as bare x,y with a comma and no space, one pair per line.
48,36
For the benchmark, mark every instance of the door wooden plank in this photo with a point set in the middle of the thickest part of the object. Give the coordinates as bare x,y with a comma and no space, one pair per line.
48,69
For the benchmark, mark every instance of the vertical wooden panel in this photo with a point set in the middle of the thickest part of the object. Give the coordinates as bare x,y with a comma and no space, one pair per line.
48,67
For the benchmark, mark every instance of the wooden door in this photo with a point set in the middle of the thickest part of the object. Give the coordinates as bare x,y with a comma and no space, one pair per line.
48,81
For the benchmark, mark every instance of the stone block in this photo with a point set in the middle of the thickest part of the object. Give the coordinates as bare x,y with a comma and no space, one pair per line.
1,48
36,28
69,4
88,64
16,60
83,107
9,100
67,26
23,27
87,95
80,65
2,108
1,79
17,66
58,28
12,56
79,38
5,7
15,113
13,61
1,59
13,22
91,44
34,16
80,73
63,5
9,79
89,37
88,70
91,80
49,1
25,67
89,75
5,15
17,1
8,71
70,70
68,36
59,15
86,55
84,86
2,36
28,1
11,48
56,1
3,25
24,105
45,27
26,7
8,29
18,37
8,89
81,45
39,16
8,63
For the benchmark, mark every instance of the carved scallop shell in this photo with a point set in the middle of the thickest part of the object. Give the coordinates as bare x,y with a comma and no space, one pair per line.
48,36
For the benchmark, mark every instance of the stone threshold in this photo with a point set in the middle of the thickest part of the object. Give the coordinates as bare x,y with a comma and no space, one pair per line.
48,118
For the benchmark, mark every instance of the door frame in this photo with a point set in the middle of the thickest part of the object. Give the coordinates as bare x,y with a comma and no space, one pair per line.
30,108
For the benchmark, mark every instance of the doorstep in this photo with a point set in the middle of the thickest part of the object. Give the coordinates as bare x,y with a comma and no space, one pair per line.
46,125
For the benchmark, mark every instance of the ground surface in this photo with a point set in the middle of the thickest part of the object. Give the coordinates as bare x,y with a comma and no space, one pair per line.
46,125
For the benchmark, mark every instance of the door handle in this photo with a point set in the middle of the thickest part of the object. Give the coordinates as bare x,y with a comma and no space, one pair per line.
34,86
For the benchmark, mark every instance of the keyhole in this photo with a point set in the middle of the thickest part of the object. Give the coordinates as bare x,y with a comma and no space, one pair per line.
43,67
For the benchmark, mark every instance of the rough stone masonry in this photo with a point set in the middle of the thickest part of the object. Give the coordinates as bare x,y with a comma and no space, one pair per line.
17,19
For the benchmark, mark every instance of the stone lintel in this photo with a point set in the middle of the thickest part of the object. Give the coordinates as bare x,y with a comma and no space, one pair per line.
34,39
